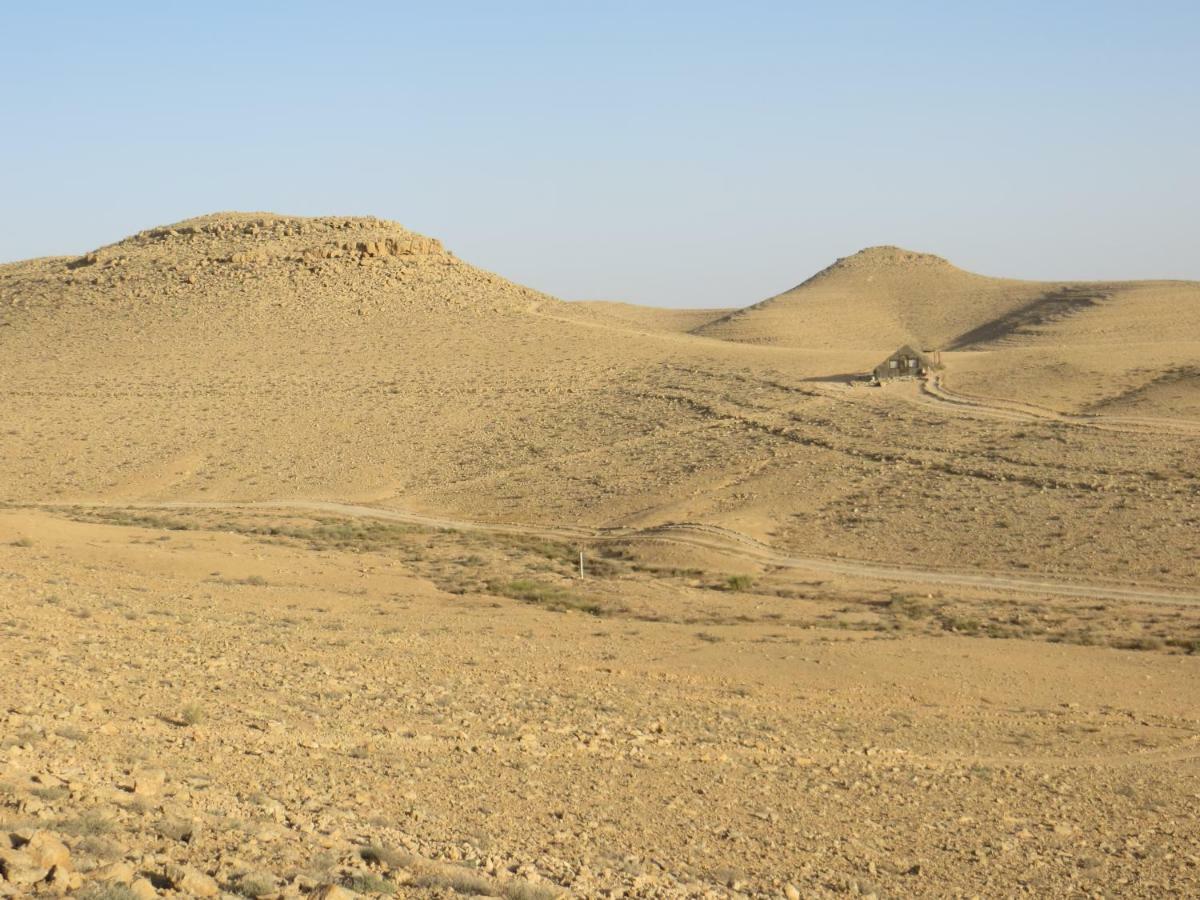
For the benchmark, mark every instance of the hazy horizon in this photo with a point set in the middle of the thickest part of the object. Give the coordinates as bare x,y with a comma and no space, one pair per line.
679,156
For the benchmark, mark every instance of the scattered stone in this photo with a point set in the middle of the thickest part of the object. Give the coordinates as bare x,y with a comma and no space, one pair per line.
46,850
190,881
148,782
332,892
18,867
118,873
143,889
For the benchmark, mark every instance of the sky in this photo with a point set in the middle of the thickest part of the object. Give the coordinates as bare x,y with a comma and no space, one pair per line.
675,154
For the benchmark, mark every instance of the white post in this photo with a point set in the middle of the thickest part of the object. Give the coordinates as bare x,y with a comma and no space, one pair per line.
580,563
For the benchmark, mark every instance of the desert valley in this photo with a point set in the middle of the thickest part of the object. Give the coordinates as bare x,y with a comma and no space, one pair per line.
331,565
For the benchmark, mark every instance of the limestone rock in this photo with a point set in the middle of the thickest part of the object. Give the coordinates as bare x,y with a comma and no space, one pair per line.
19,868
143,889
332,892
118,872
47,851
148,782
190,881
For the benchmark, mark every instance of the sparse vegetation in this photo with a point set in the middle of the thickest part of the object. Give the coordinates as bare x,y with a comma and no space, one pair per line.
255,885
108,892
456,878
548,596
369,883
519,889
192,714
89,824
391,857
909,607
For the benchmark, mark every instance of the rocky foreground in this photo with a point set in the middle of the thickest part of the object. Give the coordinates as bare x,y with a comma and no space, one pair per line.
203,713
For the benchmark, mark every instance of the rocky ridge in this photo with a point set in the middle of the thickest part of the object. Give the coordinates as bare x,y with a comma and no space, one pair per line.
239,259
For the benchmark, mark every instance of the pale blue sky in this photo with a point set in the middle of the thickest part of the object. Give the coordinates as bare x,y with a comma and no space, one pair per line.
669,153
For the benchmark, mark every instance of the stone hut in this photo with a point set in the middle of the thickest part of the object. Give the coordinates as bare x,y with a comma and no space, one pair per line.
904,363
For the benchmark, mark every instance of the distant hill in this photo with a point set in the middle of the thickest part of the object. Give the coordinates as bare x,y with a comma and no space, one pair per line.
249,263
650,318
883,297
253,355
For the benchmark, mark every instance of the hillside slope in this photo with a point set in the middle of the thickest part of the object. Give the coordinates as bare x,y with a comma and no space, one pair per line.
257,356
882,297
878,298
266,358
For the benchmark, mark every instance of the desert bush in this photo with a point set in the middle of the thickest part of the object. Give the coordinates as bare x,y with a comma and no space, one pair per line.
549,596
99,847
71,733
392,857
22,542
256,885
90,824
519,889
108,892
737,583
1144,642
176,830
1190,645
908,606
368,883
457,878
192,714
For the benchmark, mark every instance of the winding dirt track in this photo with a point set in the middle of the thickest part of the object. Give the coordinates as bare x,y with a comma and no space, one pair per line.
934,392
728,542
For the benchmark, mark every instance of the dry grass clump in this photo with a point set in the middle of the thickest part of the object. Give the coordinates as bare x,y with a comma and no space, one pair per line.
427,873
256,885
457,878
369,883
108,892
192,714
550,596
90,824
51,794
519,889
909,607
392,857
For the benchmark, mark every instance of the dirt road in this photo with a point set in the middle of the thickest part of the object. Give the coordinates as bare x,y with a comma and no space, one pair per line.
935,392
730,543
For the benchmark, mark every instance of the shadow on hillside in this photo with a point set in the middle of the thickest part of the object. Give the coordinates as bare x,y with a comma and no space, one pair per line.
1051,307
846,378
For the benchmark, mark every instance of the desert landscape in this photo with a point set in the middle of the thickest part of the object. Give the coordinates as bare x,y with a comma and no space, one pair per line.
334,566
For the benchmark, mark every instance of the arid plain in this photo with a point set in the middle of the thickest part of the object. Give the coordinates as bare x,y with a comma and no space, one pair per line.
290,598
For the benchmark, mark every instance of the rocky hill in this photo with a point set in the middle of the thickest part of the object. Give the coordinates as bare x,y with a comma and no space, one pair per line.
249,261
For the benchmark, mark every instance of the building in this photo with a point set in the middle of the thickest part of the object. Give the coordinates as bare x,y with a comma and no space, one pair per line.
904,363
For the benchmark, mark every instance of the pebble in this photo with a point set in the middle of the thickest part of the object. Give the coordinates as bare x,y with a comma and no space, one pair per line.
148,782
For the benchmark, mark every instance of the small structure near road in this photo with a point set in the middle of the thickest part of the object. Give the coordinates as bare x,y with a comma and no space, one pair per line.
905,363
